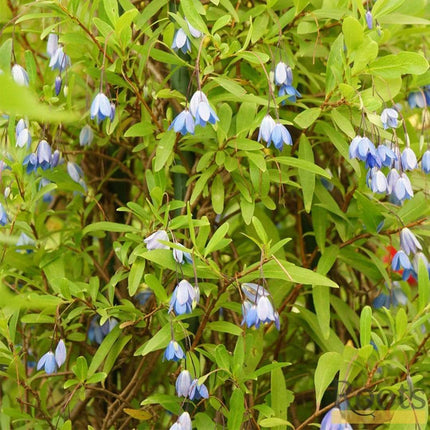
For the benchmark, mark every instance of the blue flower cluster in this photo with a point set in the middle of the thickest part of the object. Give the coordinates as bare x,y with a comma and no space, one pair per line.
257,308
97,332
396,182
200,113
410,247
183,301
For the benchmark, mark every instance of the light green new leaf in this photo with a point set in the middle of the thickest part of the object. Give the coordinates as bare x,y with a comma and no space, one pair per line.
237,410
365,325
393,65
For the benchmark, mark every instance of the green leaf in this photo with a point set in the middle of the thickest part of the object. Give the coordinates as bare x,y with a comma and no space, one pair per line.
221,22
111,8
217,241
321,298
108,226
114,353
302,164
6,54
164,150
259,228
280,397
343,123
307,179
231,86
423,285
22,101
160,340
365,325
225,327
307,117
353,33
80,369
237,410
328,365
275,422
334,72
156,287
135,276
384,7
140,129
393,65
103,350
401,323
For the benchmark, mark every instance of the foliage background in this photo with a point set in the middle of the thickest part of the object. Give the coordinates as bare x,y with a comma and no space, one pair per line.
244,211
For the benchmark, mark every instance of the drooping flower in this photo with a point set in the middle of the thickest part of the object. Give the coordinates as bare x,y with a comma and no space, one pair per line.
43,154
194,32
290,91
153,240
183,123
408,241
417,99
174,352
394,298
329,423
20,75
60,353
254,291
198,391
386,155
57,85
23,138
283,74
419,256
183,383
180,41
47,362
100,107
280,136
30,163
74,171
59,60
389,118
369,20
3,215
401,261
392,178
52,45
425,162
360,148
97,332
378,181
201,110
266,128
183,422
402,189
86,135
184,298
409,159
